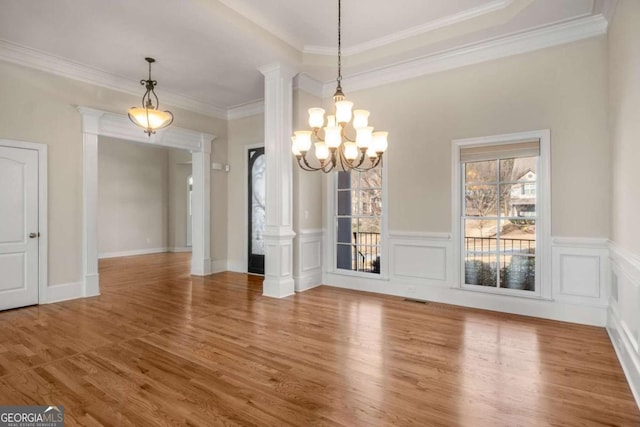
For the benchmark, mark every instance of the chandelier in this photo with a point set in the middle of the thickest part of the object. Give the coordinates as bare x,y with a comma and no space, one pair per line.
334,142
149,117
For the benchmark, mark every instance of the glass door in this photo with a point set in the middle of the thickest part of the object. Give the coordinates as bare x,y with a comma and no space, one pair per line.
256,206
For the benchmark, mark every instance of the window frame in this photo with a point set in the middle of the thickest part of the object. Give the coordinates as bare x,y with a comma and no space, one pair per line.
543,212
331,211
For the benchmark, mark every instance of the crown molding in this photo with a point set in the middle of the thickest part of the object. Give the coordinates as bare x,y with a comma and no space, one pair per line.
32,58
308,84
492,49
445,21
246,110
606,7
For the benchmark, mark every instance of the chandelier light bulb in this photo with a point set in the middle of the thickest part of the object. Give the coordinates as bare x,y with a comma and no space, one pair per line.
303,140
294,147
322,151
332,136
360,119
364,136
351,151
331,121
316,117
343,111
380,143
371,153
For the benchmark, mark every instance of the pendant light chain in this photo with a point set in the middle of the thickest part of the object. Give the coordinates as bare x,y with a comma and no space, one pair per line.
340,43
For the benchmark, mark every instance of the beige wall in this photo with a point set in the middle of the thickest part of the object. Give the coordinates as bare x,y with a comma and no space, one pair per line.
624,119
562,88
307,194
242,133
179,171
133,193
40,107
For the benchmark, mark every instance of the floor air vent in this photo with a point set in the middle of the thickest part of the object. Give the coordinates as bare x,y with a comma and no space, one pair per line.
419,301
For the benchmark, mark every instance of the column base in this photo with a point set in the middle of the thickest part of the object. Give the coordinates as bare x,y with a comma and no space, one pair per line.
274,287
201,267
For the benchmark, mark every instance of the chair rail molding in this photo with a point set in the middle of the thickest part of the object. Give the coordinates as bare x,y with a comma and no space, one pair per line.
96,123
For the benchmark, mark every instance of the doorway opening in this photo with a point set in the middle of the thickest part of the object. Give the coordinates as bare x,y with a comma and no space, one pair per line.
256,210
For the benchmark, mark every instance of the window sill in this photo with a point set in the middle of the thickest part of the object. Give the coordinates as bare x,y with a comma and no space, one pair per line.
502,292
360,275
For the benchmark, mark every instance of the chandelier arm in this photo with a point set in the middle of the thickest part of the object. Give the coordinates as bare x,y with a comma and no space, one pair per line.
303,167
310,168
363,155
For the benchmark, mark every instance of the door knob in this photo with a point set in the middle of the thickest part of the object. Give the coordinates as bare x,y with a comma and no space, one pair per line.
33,235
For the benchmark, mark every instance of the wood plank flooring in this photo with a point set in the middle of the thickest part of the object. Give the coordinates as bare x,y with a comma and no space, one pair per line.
160,347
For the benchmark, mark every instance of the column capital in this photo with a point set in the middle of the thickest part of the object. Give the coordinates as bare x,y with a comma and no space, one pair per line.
278,69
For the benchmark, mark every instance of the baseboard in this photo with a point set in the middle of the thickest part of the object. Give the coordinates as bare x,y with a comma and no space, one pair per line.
237,266
134,252
447,293
308,280
179,249
218,266
627,355
64,292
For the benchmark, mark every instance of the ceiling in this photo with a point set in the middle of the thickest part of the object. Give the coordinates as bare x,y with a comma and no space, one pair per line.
209,51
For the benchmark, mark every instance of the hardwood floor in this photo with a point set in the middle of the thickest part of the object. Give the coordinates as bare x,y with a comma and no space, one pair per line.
159,347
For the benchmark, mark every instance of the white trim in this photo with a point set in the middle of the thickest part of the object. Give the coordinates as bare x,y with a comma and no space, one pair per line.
133,252
246,110
43,216
606,7
308,84
432,291
32,58
528,41
329,253
418,235
582,242
308,271
543,207
628,358
623,322
179,249
65,292
97,123
415,31
237,266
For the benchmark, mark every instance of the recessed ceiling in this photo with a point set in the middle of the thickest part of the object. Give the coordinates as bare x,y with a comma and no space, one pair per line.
209,51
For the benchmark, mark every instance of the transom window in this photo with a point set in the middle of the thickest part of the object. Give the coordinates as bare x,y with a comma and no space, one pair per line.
358,217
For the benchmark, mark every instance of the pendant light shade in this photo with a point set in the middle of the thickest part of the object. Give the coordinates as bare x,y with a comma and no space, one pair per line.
149,117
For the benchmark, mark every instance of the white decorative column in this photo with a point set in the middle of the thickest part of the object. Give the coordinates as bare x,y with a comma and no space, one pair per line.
278,234
90,132
201,210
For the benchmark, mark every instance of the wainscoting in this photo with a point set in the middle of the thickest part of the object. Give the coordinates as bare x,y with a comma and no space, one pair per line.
623,322
422,266
307,262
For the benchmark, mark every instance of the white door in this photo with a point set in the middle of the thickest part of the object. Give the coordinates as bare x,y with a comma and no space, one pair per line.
18,227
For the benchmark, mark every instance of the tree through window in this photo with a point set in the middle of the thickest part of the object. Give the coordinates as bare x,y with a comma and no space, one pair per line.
359,217
499,222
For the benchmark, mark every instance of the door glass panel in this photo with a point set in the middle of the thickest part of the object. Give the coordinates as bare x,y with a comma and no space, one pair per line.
256,214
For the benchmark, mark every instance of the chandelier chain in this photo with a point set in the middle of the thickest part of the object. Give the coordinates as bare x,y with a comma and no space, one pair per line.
339,42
